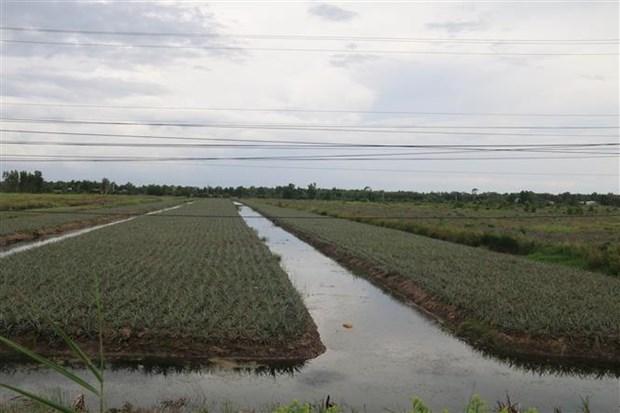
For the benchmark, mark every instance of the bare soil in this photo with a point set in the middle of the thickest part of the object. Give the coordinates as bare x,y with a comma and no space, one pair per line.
126,345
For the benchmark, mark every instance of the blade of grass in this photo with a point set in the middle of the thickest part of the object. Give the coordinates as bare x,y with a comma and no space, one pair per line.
39,399
77,351
54,366
101,355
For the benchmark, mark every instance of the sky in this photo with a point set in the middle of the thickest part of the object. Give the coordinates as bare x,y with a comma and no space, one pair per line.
461,73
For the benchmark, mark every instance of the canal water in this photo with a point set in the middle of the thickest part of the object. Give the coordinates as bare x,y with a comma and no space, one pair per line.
380,353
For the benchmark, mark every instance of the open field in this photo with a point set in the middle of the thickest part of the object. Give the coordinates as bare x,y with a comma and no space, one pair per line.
20,201
558,234
26,217
190,285
509,304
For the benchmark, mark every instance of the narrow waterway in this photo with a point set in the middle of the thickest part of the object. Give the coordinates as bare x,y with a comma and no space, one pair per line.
380,353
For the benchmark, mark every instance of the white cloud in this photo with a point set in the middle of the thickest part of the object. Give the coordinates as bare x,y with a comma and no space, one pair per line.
457,26
331,12
322,80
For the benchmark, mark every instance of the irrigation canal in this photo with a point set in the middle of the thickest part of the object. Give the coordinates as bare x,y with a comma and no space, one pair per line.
380,353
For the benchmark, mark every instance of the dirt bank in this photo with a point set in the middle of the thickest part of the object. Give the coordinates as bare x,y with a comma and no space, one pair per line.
126,345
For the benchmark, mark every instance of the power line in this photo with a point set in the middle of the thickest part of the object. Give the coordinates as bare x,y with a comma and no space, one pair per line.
306,147
57,158
302,110
309,37
294,49
400,170
443,150
168,137
104,144
302,143
302,125
329,128
310,157
411,171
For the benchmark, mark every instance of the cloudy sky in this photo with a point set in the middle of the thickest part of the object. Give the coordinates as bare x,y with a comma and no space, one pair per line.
449,73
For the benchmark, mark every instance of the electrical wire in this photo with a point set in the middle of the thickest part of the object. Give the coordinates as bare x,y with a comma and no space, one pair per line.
292,49
273,141
400,170
610,40
55,158
329,128
306,147
302,110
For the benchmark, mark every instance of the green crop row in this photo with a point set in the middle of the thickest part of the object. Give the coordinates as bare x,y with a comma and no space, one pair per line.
549,234
162,276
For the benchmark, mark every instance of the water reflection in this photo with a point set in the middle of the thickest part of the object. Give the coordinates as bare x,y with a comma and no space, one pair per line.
150,366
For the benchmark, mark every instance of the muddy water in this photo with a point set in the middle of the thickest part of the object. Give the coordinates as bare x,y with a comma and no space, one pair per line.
389,354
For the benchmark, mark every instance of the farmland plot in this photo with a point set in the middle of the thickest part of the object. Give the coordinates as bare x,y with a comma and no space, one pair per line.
12,201
19,222
183,282
549,234
501,302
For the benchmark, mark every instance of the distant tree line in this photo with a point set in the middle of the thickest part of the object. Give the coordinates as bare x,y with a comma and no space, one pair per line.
24,181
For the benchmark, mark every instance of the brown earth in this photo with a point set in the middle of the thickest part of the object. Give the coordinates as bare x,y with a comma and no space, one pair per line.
126,345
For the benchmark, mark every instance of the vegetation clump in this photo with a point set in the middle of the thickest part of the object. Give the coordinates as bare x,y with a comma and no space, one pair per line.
548,233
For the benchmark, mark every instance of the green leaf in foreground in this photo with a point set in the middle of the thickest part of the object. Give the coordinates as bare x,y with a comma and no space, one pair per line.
39,399
79,353
55,366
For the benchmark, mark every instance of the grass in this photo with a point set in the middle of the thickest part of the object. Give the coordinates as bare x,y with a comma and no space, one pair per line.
548,234
23,201
498,292
557,256
183,285
474,405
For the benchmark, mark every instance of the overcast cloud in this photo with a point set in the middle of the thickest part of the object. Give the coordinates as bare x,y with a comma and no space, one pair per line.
349,77
331,12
